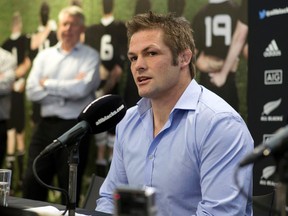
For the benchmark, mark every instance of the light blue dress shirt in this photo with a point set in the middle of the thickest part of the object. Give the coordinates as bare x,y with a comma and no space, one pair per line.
63,95
191,162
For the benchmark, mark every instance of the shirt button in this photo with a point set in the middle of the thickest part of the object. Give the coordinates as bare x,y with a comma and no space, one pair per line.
150,157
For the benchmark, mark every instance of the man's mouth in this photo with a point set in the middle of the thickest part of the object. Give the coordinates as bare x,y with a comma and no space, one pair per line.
142,79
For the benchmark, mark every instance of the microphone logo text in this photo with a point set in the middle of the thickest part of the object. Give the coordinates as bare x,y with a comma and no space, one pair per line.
113,113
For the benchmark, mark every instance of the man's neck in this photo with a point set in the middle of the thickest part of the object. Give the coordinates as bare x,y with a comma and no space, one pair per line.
161,110
68,47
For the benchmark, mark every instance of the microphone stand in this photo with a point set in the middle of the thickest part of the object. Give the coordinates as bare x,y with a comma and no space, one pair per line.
72,188
281,187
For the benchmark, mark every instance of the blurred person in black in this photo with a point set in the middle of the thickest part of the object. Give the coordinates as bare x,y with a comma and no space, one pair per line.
239,44
7,76
76,3
142,6
18,45
44,37
110,40
214,25
131,95
177,7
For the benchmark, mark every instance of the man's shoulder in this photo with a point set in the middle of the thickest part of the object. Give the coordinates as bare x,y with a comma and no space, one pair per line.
47,50
211,101
5,55
130,116
46,53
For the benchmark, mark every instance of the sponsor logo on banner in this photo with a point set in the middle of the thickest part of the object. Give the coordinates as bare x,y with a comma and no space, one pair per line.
266,137
268,108
273,77
272,50
267,176
274,12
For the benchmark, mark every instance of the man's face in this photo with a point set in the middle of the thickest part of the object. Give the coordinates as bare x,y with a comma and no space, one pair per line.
151,65
70,29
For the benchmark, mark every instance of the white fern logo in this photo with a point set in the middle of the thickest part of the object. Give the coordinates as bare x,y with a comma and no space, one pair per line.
270,106
268,172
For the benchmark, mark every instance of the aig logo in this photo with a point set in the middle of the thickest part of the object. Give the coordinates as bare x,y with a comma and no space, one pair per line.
273,77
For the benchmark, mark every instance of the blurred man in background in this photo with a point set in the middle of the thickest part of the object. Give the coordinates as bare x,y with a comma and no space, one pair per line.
63,79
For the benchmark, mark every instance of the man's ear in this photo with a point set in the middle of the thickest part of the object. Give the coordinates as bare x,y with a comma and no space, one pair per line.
185,57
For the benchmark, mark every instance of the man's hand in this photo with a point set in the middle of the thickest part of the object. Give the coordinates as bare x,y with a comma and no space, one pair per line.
42,81
80,76
218,79
19,85
209,64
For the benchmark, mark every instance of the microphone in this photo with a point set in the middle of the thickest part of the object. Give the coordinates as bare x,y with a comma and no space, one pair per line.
98,116
103,113
277,143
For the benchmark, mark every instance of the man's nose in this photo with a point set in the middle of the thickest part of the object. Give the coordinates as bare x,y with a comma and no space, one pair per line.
140,64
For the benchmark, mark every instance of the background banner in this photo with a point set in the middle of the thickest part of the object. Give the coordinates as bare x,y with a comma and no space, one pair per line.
267,81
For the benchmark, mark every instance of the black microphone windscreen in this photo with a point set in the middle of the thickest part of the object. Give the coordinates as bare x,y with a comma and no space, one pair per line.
103,113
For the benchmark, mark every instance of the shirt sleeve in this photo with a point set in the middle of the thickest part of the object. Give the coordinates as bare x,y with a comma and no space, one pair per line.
116,177
34,91
223,145
7,74
77,88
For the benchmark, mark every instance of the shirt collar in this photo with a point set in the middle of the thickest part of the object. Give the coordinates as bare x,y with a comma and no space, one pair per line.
41,28
107,20
15,36
190,97
76,47
188,100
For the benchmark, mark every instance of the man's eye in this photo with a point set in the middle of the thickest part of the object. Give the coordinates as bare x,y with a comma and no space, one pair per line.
133,58
152,53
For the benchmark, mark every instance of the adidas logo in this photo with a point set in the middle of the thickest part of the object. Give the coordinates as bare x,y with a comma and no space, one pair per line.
272,50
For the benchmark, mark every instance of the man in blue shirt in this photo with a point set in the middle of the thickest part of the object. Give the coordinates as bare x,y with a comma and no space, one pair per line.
180,138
